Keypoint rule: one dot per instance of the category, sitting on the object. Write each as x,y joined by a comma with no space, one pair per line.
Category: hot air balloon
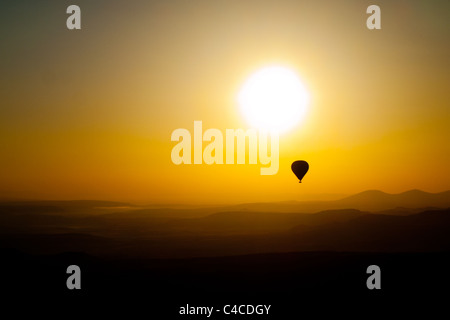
300,168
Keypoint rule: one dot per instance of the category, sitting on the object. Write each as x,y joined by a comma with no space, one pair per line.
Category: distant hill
64,203
404,203
257,222
377,200
371,200
60,207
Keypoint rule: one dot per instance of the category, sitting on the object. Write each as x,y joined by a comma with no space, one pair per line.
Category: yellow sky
89,114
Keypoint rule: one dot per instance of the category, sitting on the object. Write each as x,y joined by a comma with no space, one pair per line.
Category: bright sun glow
273,99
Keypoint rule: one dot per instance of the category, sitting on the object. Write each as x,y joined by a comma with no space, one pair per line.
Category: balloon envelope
300,168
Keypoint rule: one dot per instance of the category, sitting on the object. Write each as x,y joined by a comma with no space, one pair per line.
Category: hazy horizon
303,198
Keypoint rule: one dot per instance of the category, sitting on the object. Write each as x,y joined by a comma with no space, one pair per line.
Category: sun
274,99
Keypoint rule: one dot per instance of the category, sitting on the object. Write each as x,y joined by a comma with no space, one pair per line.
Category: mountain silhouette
371,200
374,200
263,247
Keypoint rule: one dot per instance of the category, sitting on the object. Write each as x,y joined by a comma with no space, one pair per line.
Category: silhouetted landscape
243,249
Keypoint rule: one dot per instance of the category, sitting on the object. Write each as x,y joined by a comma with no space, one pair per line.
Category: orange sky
88,114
